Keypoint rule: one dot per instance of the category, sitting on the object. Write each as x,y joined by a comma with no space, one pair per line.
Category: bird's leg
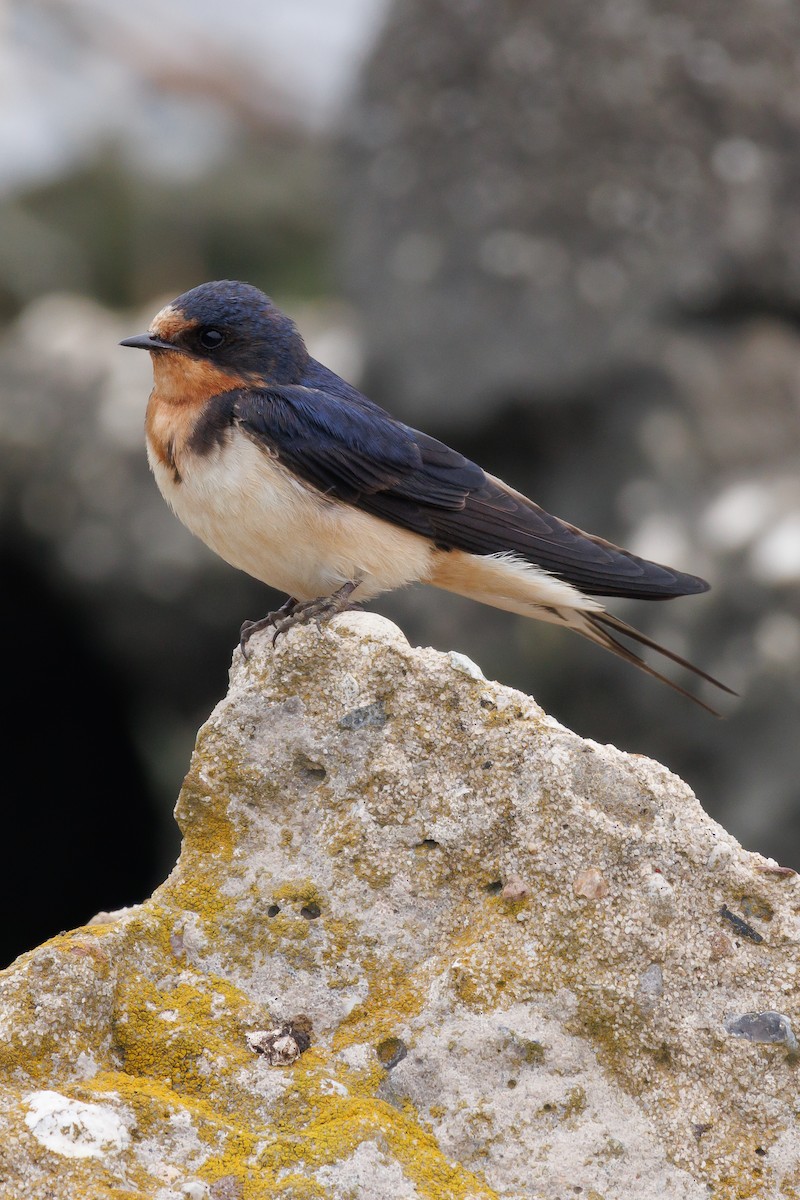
300,612
251,627
319,610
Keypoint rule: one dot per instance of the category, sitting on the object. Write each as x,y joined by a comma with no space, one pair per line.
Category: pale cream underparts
239,499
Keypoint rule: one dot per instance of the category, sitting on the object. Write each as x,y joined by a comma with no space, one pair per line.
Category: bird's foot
298,612
251,627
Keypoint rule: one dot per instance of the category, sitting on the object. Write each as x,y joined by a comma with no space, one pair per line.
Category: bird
292,475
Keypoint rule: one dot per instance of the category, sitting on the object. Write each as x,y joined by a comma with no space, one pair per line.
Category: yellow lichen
326,1128
169,1036
298,891
299,1187
181,1033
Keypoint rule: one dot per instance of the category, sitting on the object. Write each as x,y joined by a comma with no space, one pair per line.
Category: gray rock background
563,239
539,193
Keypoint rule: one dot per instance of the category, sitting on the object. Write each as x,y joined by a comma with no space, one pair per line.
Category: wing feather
349,448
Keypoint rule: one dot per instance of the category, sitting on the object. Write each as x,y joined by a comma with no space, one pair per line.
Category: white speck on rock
73,1128
195,1189
460,662
720,855
85,1066
661,898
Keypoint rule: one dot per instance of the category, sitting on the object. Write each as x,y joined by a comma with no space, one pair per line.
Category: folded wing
350,449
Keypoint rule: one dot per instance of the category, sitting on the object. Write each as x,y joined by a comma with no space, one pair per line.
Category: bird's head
227,328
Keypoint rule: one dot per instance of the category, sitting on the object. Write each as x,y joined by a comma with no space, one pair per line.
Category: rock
530,190
396,898
590,882
572,235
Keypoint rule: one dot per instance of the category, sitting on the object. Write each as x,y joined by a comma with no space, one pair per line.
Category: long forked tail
596,625
505,581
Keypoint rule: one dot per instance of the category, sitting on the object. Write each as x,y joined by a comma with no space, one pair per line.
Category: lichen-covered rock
421,942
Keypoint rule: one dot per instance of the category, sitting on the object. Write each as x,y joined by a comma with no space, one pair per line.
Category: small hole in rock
273,910
391,1051
309,769
427,844
310,911
494,887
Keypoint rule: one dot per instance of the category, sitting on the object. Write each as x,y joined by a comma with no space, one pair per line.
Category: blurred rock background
563,237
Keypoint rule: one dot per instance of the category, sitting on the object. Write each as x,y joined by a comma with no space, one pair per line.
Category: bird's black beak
147,341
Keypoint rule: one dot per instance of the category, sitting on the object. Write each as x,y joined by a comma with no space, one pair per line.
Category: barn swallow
292,475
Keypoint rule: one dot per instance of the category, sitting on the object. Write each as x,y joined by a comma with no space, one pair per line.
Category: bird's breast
184,389
257,515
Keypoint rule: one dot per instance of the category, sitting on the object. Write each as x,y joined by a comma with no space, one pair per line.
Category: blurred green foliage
123,236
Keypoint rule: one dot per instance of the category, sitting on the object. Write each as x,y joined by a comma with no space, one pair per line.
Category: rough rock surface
572,233
480,957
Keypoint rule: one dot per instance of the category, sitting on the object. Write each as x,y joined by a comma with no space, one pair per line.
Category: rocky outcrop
421,941
571,232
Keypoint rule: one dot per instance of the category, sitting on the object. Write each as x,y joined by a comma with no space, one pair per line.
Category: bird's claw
273,618
298,612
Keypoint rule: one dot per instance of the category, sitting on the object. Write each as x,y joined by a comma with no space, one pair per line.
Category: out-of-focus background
563,237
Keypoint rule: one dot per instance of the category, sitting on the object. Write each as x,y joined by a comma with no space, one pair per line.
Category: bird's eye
210,339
